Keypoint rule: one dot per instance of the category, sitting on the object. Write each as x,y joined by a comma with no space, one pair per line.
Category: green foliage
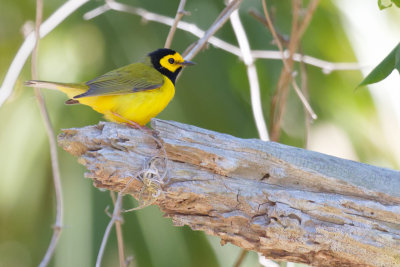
383,4
380,72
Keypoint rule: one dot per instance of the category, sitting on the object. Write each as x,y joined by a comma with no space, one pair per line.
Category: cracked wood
290,204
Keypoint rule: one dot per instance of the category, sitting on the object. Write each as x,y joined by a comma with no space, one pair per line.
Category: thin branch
252,74
242,255
27,47
294,34
274,101
279,98
255,14
304,89
97,11
326,66
286,74
304,100
307,18
297,34
273,32
115,217
179,15
52,141
198,45
221,20
34,72
150,16
120,237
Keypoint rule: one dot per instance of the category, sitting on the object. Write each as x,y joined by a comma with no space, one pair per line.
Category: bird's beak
187,63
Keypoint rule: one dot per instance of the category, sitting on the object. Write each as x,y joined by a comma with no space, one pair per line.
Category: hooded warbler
133,93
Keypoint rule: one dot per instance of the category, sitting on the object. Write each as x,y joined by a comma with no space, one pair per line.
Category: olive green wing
126,80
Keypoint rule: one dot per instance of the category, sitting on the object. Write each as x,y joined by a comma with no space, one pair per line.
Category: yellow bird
132,94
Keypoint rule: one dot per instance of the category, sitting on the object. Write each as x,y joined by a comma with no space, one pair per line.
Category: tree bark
288,203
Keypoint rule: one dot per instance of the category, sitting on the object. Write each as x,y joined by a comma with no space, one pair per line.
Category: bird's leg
136,125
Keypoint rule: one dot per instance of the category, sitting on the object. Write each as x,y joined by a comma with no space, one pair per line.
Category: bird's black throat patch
155,58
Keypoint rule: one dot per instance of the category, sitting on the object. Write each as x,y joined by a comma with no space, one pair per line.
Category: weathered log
290,204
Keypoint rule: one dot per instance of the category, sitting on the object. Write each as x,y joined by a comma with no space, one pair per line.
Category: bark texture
290,204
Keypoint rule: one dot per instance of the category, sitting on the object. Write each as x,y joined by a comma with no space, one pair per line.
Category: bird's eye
171,61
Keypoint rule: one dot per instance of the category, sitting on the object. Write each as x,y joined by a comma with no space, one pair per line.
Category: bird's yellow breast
138,107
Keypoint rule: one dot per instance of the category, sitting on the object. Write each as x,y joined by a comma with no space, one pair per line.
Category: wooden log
287,203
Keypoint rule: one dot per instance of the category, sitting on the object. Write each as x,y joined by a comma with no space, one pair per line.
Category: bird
133,94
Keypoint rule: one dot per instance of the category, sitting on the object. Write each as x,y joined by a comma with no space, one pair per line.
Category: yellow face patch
171,62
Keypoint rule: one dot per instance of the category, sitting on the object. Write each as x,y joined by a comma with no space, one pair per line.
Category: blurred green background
214,94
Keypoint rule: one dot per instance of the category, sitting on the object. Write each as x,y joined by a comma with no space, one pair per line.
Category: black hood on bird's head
155,57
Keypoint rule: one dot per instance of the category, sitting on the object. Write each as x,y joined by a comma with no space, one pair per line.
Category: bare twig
220,20
304,101
34,72
27,47
274,101
286,75
120,237
255,14
252,74
294,43
242,255
326,66
278,102
150,16
307,18
179,14
97,11
52,141
304,89
115,217
272,29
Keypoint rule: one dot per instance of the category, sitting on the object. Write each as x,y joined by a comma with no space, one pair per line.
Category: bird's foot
144,128
136,125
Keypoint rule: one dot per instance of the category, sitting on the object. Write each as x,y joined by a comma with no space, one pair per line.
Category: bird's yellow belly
138,107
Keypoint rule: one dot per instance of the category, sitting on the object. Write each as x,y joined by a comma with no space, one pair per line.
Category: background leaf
396,2
380,72
397,61
384,4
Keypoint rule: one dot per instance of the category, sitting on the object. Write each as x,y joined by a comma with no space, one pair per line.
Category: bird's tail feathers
70,89
48,85
42,84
